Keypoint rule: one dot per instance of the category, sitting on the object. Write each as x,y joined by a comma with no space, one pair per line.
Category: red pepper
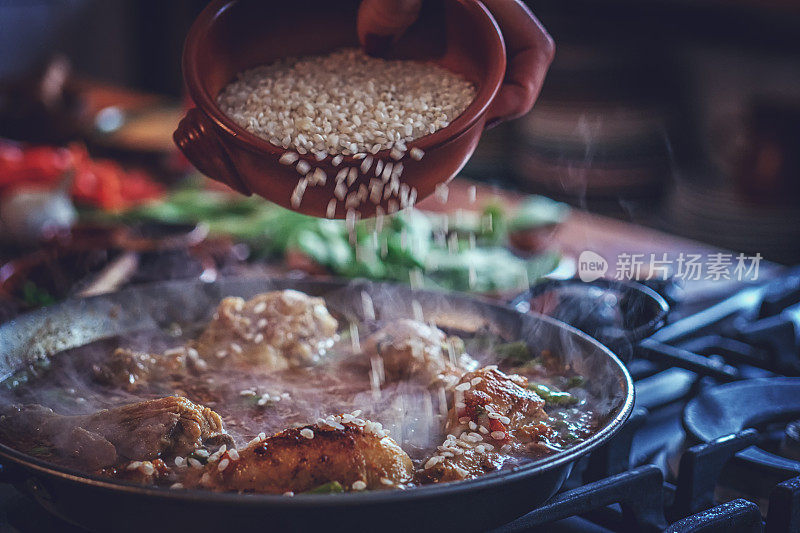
32,166
138,187
496,425
99,183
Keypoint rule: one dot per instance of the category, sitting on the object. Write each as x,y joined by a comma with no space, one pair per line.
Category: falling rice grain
367,306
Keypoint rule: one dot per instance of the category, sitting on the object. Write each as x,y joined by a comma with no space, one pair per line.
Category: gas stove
712,446
714,442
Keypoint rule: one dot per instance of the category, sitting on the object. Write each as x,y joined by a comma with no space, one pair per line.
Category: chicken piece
410,348
36,430
139,431
166,426
275,330
494,415
297,460
131,370
124,368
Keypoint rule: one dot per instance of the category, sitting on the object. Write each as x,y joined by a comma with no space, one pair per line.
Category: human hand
529,48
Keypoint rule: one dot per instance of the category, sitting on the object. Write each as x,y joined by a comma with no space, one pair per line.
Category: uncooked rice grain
345,102
303,167
289,158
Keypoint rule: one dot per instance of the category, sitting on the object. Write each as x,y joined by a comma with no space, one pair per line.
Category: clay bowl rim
207,103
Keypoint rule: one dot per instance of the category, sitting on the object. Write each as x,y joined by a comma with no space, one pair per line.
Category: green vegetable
513,351
494,224
565,430
538,211
332,487
572,382
409,241
41,451
36,296
486,269
552,395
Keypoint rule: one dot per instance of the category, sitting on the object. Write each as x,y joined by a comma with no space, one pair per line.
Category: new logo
591,266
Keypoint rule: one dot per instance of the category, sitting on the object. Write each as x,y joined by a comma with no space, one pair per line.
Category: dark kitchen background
680,115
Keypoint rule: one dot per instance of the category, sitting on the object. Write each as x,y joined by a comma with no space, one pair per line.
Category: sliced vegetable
494,224
518,352
490,269
408,241
536,212
457,344
332,487
552,395
573,382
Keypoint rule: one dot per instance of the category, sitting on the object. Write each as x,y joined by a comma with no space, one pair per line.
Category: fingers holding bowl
530,51
381,22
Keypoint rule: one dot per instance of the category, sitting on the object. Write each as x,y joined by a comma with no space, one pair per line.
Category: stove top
712,446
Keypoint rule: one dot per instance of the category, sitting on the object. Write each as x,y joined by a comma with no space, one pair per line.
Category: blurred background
683,115
678,115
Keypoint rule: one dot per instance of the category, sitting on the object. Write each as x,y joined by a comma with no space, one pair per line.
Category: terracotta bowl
233,35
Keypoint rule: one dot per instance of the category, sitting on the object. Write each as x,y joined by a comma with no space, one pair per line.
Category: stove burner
790,446
759,403
617,313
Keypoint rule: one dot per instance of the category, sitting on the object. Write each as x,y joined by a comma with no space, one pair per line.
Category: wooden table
609,238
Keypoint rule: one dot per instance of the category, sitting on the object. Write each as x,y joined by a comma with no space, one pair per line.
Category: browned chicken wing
275,330
139,431
494,414
296,460
410,348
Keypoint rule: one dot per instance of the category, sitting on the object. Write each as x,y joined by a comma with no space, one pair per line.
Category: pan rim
487,481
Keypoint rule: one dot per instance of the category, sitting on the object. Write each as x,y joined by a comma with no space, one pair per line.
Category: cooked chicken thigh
165,426
275,330
358,455
410,348
493,412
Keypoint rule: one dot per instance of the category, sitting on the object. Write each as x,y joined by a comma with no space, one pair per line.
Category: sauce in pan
276,395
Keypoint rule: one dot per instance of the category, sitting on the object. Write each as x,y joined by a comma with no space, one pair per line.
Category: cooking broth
253,400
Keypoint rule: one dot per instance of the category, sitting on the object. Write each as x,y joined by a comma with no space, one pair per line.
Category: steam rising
349,378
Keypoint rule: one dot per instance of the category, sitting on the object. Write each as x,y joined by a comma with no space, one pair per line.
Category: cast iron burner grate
639,499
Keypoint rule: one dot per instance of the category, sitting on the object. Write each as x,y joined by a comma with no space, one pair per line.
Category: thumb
381,22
